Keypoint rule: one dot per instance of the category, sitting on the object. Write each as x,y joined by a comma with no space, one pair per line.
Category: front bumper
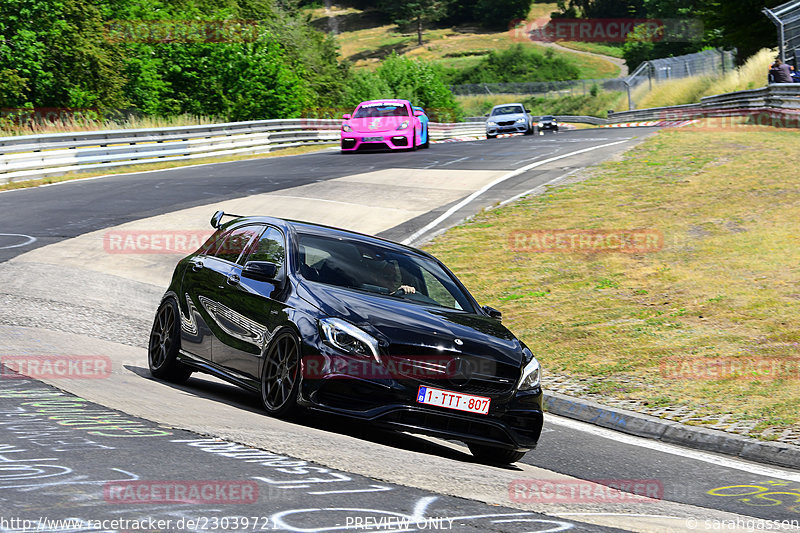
511,128
393,140
514,420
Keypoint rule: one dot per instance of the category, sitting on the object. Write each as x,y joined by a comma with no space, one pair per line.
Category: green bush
518,64
399,77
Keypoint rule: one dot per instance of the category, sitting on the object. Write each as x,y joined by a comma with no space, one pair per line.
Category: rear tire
280,377
165,342
492,454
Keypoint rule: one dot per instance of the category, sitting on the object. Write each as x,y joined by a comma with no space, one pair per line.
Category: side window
269,248
231,247
438,292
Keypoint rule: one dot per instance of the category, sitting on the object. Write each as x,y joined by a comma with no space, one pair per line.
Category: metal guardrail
37,156
781,98
581,119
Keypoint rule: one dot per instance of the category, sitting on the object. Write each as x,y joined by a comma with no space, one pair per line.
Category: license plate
373,139
453,400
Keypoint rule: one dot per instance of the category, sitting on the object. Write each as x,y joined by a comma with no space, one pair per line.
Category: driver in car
387,278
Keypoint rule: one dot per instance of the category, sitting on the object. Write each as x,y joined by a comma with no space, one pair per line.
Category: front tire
165,339
491,136
494,455
427,143
280,377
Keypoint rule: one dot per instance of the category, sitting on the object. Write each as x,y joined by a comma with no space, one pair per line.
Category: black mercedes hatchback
313,317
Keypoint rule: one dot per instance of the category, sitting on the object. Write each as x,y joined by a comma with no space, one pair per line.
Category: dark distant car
326,319
548,122
508,118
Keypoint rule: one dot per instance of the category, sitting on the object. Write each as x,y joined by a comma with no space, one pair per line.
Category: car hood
399,324
504,118
375,124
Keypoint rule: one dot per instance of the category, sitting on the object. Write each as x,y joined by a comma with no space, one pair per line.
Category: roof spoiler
216,220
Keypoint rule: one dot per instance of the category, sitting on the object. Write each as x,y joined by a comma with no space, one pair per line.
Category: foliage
400,77
727,24
518,64
247,59
416,12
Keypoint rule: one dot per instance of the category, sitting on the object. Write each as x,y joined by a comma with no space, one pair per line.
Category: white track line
727,462
447,214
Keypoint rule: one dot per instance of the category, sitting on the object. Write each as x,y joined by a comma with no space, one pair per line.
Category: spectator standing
780,73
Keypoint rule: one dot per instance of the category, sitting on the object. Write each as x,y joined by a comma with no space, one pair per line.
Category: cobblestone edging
722,433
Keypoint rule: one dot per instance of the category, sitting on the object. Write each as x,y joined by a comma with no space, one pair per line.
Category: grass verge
724,289
158,166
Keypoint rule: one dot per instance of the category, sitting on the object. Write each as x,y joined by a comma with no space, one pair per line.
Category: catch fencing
786,18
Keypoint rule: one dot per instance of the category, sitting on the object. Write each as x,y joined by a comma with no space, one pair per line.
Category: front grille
506,123
486,376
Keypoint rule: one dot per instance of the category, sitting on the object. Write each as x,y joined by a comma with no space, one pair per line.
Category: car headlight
541,124
348,338
490,123
403,126
346,127
531,374
520,120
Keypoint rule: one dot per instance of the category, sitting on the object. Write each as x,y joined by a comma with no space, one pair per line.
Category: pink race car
382,124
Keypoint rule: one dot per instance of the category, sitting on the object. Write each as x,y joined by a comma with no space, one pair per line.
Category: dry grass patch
726,284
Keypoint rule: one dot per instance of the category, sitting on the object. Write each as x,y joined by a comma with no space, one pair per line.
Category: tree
417,12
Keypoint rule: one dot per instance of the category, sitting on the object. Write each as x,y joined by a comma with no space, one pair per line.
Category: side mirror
216,220
347,116
486,115
418,113
492,312
528,111
260,270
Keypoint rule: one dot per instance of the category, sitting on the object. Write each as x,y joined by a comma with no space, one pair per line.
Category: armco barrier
37,156
781,98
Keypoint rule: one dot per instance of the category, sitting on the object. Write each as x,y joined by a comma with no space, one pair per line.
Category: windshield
375,269
548,117
381,110
507,110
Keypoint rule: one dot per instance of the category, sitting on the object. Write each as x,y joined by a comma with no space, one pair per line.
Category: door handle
233,279
197,265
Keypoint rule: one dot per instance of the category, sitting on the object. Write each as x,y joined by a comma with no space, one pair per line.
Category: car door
254,308
203,282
